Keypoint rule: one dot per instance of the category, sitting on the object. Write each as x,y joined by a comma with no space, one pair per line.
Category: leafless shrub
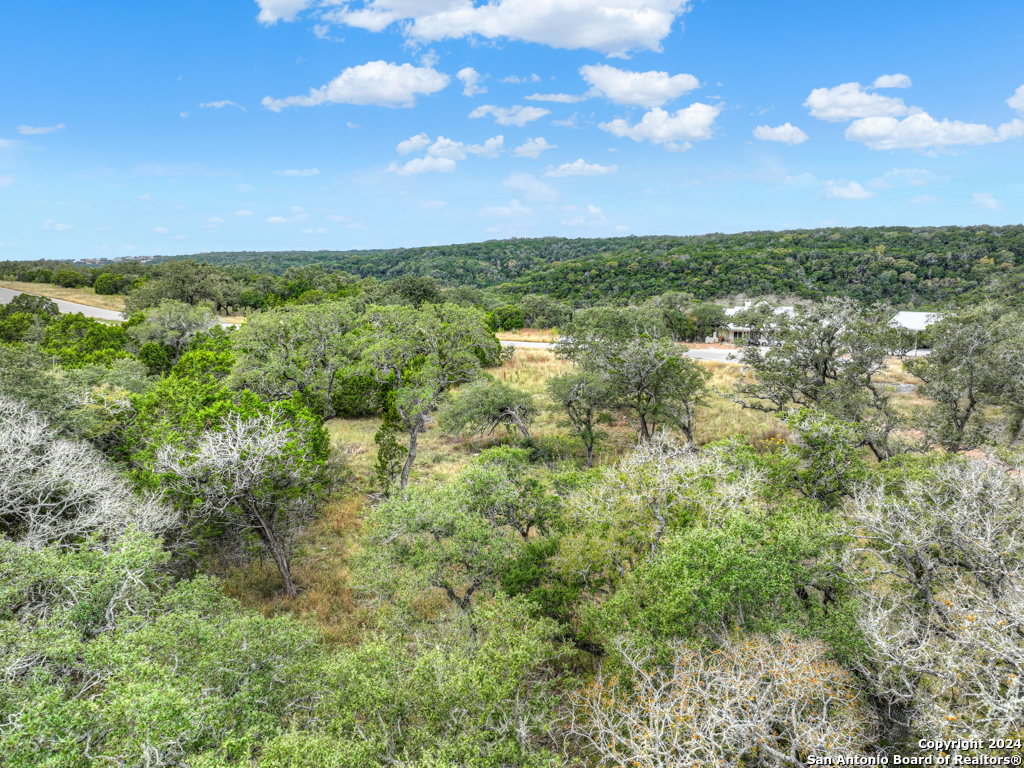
751,701
940,569
56,490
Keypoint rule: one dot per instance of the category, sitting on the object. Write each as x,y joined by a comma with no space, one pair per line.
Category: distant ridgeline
919,267
926,265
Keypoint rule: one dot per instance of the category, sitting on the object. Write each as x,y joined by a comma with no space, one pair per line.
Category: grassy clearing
547,335
322,562
86,296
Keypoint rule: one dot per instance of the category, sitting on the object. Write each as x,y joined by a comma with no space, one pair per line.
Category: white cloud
299,173
800,180
787,133
6,181
28,130
337,217
694,123
1017,100
273,11
580,168
489,149
243,213
161,230
985,200
244,188
298,217
849,191
922,131
358,225
518,115
849,101
320,231
213,221
413,144
597,217
569,122
147,197
432,205
533,147
377,82
641,89
180,237
470,77
219,104
613,27
923,199
513,209
448,149
51,224
892,81
897,177
423,165
350,124
183,114
560,98
531,187
179,207
520,80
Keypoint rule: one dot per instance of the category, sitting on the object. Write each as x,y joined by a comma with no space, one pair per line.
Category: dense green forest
909,267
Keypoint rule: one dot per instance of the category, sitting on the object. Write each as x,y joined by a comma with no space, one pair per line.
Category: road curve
68,307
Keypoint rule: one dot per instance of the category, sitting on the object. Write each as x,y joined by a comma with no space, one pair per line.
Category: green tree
172,325
79,340
483,406
582,399
68,278
420,354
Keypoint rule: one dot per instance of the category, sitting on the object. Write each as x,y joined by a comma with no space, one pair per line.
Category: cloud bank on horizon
363,123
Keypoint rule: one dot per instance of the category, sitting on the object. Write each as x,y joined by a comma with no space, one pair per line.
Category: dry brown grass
322,562
547,335
86,296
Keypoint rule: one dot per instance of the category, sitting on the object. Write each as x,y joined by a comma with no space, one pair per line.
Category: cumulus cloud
850,100
531,187
28,130
413,144
273,11
580,168
517,115
850,191
892,81
470,77
56,227
596,217
533,147
985,200
613,27
640,89
377,82
513,209
786,133
219,104
560,98
800,180
214,221
534,78
243,213
1017,100
922,131
489,149
423,165
694,123
298,217
161,230
299,173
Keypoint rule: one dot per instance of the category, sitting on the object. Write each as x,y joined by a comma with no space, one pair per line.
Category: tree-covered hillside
912,266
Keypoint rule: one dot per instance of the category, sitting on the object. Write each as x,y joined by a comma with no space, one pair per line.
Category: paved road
68,307
718,355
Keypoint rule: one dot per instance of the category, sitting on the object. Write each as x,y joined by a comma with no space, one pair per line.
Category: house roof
915,321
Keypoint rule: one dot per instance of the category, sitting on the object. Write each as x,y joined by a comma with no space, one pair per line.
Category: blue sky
161,128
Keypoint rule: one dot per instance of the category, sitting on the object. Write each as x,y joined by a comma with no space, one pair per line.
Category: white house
733,332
